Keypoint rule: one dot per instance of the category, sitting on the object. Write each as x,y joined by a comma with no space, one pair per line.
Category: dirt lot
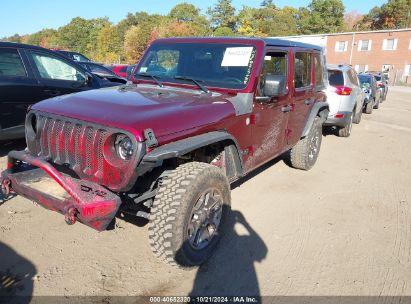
343,228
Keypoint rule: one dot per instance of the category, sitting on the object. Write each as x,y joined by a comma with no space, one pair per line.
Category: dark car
371,90
382,83
29,74
73,55
199,114
102,72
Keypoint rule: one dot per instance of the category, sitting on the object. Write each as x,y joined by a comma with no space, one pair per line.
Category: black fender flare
186,145
321,109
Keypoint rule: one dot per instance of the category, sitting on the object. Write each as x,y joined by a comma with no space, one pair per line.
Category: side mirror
89,79
274,85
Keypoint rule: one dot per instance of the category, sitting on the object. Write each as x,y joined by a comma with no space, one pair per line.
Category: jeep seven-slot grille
73,143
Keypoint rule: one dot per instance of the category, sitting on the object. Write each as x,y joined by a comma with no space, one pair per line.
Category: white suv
345,97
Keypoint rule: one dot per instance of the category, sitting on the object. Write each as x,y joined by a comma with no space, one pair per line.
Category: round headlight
124,147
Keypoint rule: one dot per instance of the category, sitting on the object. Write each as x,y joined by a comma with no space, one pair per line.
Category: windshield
211,64
365,79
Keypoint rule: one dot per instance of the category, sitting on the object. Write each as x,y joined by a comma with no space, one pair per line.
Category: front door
270,116
57,76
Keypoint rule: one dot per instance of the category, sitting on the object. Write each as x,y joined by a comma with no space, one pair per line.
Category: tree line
125,41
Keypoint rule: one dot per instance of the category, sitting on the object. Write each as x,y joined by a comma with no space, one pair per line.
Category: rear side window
11,64
335,78
302,70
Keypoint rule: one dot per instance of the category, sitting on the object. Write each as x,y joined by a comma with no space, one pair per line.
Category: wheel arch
320,109
234,164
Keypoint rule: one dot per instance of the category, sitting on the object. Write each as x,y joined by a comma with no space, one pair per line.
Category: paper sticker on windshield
237,56
143,69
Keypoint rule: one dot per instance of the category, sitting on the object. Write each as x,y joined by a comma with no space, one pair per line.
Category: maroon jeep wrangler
198,114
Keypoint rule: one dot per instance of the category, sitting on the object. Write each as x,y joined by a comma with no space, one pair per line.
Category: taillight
341,90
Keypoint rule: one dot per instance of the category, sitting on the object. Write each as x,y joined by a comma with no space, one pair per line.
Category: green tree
80,35
223,15
394,14
109,45
136,41
15,38
46,38
184,12
223,31
322,16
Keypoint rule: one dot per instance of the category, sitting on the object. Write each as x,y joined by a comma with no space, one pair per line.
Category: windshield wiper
155,78
197,82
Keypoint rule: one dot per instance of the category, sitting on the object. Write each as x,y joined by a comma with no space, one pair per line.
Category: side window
318,71
11,64
275,63
302,70
50,67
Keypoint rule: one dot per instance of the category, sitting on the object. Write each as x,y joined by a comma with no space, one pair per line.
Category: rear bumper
335,120
38,180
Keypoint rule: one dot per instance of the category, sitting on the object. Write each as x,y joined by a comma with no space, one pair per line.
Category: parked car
130,69
29,74
371,91
102,72
345,97
382,83
119,69
166,147
73,55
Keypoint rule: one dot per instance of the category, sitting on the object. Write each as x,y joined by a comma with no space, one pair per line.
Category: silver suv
345,97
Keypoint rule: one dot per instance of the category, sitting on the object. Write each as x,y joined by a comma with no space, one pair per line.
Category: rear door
303,92
18,86
57,75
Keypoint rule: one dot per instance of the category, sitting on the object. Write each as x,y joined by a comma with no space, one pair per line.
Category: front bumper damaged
78,200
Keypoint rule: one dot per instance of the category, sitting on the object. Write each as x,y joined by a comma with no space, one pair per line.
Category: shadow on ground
231,270
16,276
7,146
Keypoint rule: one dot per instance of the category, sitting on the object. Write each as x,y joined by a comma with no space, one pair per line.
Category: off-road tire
171,212
357,117
369,107
346,131
299,156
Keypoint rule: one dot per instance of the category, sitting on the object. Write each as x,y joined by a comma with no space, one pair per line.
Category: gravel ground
343,228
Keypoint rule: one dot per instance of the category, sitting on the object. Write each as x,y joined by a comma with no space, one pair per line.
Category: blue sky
29,16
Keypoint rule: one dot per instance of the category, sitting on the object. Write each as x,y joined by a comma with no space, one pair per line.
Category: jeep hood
136,108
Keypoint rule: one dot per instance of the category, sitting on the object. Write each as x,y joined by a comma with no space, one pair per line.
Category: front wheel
305,153
189,213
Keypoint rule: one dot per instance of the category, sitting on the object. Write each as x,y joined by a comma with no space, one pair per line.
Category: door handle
52,92
286,108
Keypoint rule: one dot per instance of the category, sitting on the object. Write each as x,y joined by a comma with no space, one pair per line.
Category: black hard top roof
267,41
20,45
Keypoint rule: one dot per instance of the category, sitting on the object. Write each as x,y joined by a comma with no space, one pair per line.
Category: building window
361,68
407,70
389,44
386,68
341,46
364,45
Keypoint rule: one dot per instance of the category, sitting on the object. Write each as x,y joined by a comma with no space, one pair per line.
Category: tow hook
70,216
5,187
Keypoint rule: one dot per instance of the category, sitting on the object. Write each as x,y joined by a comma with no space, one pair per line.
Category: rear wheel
305,153
346,131
369,107
189,213
377,105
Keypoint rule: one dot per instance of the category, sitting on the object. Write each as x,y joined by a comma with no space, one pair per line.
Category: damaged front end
71,167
